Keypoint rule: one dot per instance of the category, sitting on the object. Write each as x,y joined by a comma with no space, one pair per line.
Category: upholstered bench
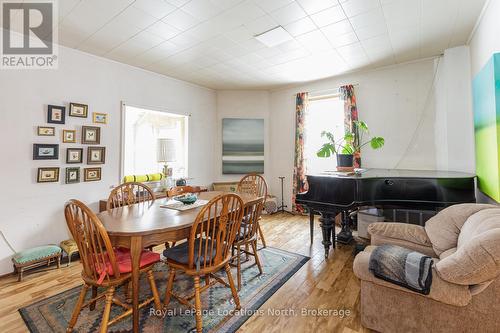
36,257
70,247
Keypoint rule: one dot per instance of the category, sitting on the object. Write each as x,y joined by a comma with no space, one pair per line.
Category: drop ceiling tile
371,31
356,7
300,27
328,16
252,45
109,37
202,9
314,6
261,25
155,8
65,7
269,6
180,20
244,12
381,42
177,3
369,18
136,17
314,41
163,30
288,14
352,51
336,29
342,40
239,34
184,40
158,52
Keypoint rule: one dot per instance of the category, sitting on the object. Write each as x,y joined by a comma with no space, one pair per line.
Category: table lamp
166,153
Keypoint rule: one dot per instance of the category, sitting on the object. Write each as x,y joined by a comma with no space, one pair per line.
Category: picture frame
69,136
56,114
48,175
72,175
74,155
91,135
44,151
96,155
46,131
91,174
100,118
78,110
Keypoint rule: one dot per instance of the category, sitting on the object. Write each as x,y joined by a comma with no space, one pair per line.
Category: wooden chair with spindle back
178,190
254,184
248,236
103,265
129,194
207,250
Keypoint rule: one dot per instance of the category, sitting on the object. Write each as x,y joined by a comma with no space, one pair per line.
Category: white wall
241,104
32,214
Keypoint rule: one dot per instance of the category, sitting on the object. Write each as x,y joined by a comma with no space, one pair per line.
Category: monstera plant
349,144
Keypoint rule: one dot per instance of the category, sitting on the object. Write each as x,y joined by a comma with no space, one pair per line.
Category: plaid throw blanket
403,267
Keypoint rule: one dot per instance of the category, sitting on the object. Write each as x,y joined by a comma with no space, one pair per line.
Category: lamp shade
165,150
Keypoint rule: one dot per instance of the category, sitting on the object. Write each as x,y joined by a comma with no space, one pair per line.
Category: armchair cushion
443,229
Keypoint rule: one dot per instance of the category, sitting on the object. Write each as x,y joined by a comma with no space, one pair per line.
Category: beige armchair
465,293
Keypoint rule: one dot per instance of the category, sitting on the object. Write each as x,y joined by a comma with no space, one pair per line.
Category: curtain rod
325,91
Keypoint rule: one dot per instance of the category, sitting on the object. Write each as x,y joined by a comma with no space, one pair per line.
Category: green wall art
486,94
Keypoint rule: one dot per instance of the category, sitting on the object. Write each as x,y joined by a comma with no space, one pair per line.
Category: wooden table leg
135,253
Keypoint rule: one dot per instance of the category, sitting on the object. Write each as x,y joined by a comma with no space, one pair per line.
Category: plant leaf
326,150
349,137
329,136
348,149
377,142
361,125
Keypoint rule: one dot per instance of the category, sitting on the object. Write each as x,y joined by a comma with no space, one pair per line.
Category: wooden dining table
146,224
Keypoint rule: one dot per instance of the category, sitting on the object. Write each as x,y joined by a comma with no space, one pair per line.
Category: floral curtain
299,168
351,115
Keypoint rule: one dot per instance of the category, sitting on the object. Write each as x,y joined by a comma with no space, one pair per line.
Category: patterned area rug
219,315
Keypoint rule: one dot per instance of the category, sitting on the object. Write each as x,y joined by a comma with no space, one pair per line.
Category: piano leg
327,223
311,224
345,235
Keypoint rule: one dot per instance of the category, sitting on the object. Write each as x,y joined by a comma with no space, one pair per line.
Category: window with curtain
323,114
141,130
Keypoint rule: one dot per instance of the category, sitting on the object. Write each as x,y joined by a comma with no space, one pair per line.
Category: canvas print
45,151
487,127
242,146
48,175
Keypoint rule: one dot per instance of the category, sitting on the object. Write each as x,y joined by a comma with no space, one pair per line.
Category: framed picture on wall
91,135
46,131
56,114
72,175
78,110
74,155
42,151
69,136
100,118
48,175
91,174
96,155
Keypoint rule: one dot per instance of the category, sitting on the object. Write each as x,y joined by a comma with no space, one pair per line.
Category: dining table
142,225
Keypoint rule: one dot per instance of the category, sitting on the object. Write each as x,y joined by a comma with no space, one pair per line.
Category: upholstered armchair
464,241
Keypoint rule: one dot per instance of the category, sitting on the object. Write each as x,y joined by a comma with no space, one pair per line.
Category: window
141,130
323,114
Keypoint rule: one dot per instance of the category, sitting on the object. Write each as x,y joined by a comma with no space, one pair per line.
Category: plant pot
345,162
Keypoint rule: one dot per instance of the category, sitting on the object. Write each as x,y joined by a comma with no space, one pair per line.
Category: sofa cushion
477,259
443,229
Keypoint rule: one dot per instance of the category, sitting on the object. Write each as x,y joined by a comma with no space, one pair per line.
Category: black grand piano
331,194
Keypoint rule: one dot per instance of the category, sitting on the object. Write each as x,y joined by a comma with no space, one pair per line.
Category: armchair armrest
410,236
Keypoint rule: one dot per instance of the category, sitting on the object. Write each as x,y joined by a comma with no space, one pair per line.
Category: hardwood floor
319,284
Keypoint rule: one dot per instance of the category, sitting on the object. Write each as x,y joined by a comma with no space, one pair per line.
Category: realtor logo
29,35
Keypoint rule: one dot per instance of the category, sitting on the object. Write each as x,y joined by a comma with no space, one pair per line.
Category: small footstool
70,247
36,257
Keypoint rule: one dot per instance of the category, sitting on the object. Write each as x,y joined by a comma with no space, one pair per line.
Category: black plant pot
344,160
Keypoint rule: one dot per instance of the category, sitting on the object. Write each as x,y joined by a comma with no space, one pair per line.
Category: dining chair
207,251
178,190
129,194
248,236
254,184
104,266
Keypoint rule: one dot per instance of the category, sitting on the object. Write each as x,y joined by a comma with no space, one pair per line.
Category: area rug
52,314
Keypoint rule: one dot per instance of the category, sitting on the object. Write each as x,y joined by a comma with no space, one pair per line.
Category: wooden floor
319,284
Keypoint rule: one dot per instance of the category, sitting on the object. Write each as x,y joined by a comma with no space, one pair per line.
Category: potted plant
348,145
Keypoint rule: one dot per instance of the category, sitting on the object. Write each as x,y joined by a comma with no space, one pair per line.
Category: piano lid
397,173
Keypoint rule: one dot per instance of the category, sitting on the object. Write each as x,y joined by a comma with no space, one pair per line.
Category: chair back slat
130,193
214,231
178,190
251,215
253,184
94,245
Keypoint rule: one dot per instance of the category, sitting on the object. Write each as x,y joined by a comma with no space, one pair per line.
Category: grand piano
331,194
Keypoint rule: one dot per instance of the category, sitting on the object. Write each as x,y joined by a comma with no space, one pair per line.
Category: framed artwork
72,175
74,155
100,118
69,136
56,114
46,131
91,135
48,175
78,110
91,174
242,146
42,151
96,155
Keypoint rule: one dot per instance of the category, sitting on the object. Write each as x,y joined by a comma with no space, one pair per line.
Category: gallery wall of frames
81,141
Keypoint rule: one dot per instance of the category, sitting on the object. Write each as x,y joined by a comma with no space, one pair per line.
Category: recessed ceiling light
274,37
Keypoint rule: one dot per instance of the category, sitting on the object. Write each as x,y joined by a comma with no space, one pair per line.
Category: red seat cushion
124,262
